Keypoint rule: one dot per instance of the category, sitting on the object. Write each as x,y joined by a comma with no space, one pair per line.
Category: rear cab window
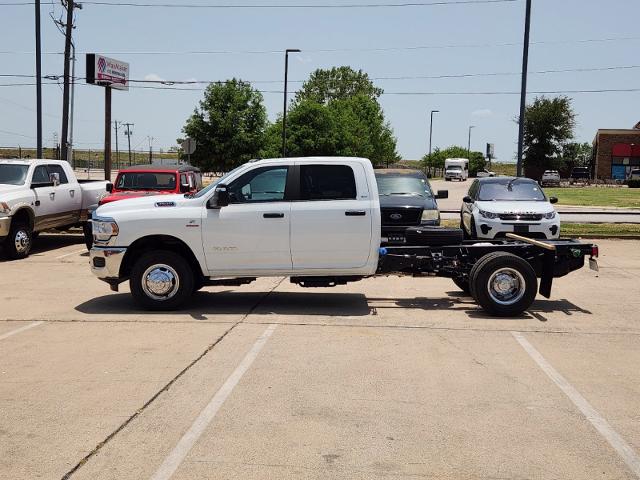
327,182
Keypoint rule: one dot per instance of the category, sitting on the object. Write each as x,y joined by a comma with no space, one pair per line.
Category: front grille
401,216
528,217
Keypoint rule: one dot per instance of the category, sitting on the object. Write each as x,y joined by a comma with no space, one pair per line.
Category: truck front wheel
504,284
161,280
18,243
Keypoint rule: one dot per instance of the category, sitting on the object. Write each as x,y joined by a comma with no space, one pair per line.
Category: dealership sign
107,72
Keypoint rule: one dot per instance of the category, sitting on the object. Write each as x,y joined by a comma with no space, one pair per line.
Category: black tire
475,268
171,268
87,231
462,283
18,243
519,291
474,231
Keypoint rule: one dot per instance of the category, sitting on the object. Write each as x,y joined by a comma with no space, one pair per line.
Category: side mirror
442,194
184,188
220,197
553,199
109,187
467,199
54,178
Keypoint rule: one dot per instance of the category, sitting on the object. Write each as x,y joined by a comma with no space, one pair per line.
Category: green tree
228,125
548,126
338,83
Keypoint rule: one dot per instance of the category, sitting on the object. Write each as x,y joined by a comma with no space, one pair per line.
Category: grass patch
585,229
508,169
596,196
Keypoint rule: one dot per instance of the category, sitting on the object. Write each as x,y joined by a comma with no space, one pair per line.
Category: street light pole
430,136
469,142
38,84
284,114
523,88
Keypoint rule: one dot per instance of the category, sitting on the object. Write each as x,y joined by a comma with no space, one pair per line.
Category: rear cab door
333,217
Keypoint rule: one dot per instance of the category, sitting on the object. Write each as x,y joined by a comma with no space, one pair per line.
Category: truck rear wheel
504,284
462,283
18,243
161,280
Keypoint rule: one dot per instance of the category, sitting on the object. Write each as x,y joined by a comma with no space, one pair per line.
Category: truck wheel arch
158,242
26,215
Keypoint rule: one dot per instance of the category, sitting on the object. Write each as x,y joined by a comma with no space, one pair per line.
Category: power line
338,50
400,77
281,6
17,134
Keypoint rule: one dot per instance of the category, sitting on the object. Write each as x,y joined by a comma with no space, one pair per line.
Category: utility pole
115,127
523,88
430,135
469,143
128,134
38,85
65,92
73,88
284,113
150,150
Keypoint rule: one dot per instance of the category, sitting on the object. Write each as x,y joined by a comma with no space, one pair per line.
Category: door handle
355,213
273,215
72,192
52,195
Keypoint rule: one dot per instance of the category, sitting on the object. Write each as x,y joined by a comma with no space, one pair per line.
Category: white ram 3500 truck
315,220
37,195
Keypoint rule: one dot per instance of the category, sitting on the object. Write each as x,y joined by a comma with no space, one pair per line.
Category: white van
456,168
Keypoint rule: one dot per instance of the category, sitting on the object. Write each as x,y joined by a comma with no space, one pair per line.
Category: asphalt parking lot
386,378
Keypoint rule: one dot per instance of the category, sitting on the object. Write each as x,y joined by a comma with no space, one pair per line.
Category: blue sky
462,39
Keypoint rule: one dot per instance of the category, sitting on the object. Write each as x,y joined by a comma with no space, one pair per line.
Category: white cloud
484,112
153,77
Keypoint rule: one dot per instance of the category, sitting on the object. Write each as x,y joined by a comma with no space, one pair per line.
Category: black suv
406,200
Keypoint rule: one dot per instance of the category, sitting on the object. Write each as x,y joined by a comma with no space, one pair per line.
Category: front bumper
105,263
5,226
496,228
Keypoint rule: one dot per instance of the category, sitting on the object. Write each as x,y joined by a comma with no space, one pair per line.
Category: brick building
615,152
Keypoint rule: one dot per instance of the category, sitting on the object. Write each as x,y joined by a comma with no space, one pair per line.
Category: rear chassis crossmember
550,259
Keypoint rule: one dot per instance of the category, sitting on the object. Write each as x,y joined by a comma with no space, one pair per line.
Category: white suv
499,205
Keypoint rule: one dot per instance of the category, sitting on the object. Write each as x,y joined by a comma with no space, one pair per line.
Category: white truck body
39,195
456,169
258,237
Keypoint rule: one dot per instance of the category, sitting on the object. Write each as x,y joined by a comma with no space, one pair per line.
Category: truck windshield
454,168
402,185
13,174
514,190
146,181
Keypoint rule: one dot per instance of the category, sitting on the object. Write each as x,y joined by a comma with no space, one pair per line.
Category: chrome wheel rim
160,282
506,286
21,241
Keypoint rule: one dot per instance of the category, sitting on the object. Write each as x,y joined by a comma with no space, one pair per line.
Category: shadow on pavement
306,303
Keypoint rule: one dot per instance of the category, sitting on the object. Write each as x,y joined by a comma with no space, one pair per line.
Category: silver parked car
550,178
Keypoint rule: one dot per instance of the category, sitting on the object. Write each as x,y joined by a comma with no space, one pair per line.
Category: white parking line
618,443
188,440
70,254
21,329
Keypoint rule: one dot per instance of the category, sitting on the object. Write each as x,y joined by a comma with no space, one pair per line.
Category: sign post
490,153
189,146
111,74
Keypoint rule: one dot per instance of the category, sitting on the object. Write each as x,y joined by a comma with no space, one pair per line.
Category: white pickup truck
315,220
37,195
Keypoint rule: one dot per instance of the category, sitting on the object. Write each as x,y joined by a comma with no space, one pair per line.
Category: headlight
430,215
5,208
550,215
490,215
104,229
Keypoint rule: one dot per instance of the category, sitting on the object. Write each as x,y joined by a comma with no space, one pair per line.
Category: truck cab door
44,198
67,198
331,221
251,234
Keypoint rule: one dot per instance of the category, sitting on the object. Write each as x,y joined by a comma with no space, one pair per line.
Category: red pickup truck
143,180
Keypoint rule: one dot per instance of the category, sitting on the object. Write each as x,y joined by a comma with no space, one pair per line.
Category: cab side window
266,184
40,175
327,182
60,171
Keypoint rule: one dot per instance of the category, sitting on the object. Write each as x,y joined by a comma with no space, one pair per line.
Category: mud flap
546,277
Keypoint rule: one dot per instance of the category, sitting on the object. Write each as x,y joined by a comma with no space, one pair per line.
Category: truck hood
514,207
146,202
114,197
6,188
408,201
